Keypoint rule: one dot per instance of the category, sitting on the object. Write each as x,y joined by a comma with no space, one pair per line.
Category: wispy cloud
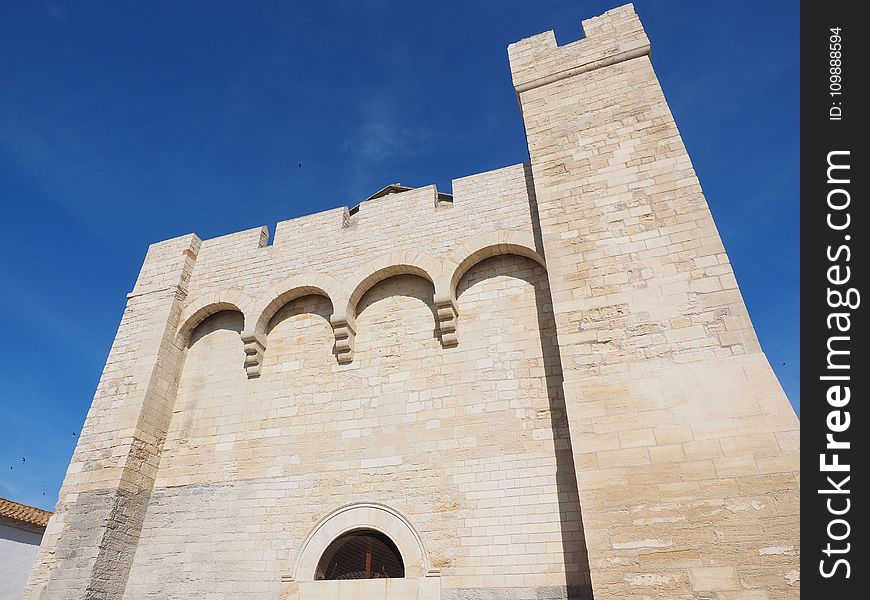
55,11
389,132
379,135
378,138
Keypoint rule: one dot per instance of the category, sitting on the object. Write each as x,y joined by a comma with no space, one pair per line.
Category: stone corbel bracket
345,332
445,307
254,346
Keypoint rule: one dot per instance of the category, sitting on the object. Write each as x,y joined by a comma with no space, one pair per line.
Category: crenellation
162,260
397,205
256,237
296,234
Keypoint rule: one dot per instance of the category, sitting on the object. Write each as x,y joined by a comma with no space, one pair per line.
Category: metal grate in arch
362,554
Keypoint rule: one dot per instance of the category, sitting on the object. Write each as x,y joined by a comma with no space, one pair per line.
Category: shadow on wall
573,537
210,338
18,547
574,550
408,286
304,305
224,320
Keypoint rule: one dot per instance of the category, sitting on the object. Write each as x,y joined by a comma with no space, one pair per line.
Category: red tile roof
23,513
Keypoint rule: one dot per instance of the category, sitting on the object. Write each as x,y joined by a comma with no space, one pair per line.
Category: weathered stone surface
462,375
672,406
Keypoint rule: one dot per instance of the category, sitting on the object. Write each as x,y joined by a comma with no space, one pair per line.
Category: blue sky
124,122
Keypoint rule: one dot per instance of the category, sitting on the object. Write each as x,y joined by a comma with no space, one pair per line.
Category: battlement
501,196
613,37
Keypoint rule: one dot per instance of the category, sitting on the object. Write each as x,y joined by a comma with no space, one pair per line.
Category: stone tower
545,385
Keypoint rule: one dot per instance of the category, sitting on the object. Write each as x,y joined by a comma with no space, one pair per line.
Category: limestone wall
686,448
446,405
470,443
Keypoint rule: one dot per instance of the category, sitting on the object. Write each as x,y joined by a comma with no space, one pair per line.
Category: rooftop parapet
613,37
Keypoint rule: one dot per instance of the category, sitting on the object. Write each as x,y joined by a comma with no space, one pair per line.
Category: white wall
17,550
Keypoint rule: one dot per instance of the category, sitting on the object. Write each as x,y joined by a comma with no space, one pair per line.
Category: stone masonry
546,385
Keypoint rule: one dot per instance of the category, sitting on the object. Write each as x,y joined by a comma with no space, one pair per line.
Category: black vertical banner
835,368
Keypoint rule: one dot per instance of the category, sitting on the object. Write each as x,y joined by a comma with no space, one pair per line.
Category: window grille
362,554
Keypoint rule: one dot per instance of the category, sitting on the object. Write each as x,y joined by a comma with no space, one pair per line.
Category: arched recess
357,516
291,288
200,307
483,246
390,265
464,256
507,291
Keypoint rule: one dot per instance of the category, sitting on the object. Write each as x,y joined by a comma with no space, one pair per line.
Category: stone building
543,385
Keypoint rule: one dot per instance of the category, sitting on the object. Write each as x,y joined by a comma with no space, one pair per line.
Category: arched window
361,554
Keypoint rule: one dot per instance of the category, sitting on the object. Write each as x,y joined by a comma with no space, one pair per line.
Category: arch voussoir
271,301
202,306
358,516
403,262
